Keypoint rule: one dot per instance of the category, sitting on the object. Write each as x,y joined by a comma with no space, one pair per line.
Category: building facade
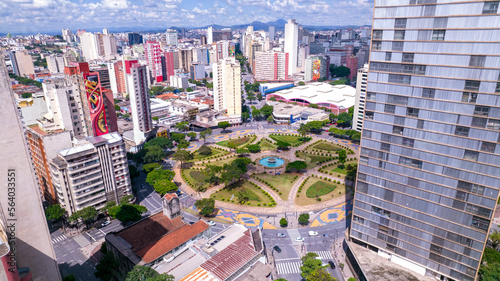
428,175
352,64
55,64
22,63
359,106
91,173
316,68
227,86
172,37
137,87
134,39
271,66
291,44
152,51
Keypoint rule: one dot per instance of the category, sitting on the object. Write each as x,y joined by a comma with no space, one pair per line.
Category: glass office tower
429,169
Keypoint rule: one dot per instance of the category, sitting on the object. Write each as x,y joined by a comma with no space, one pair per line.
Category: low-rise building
284,113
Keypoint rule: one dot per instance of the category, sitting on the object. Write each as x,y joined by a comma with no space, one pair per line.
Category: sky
33,16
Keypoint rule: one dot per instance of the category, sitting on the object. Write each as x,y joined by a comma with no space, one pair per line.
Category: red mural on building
96,104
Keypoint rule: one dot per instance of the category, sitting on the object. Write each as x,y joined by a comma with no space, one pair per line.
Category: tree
332,117
165,186
267,110
189,89
177,137
156,90
105,267
296,166
26,95
320,274
223,125
54,212
154,153
270,119
150,167
495,239
301,83
256,113
309,255
340,71
146,273
86,214
303,130
344,117
192,135
253,148
242,195
70,277
205,150
259,96
283,222
232,145
304,219
310,264
342,156
182,155
162,142
133,171
282,144
205,134
182,126
108,206
159,174
213,174
183,144
156,118
206,206
245,116
315,126
126,199
127,212
351,170
351,279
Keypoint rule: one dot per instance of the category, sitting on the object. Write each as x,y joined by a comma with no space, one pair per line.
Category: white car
105,223
211,223
299,239
312,233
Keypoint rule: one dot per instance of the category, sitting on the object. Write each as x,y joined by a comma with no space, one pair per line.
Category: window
376,45
480,223
408,57
428,93
377,34
440,22
390,108
420,124
397,130
493,124
438,35
424,35
397,46
497,88
471,155
397,99
469,97
400,23
490,7
369,115
413,112
398,120
400,79
477,61
481,110
408,142
429,11
479,122
388,56
399,35
462,131
370,96
488,147
385,146
472,85
359,220
410,162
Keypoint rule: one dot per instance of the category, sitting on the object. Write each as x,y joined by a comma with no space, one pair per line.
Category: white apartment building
359,106
55,64
227,86
137,89
172,37
291,44
92,173
98,46
178,81
67,35
64,105
271,66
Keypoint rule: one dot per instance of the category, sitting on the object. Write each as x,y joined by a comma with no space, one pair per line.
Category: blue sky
32,16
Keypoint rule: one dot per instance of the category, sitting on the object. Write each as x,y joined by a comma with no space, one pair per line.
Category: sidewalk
340,257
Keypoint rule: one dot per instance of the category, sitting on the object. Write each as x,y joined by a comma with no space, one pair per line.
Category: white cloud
115,4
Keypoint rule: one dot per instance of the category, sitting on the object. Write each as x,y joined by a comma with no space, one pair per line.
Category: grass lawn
315,186
237,141
267,145
198,157
220,162
326,146
256,197
290,139
194,177
312,160
284,182
338,171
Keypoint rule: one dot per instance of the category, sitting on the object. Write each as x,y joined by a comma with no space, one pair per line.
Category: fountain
272,162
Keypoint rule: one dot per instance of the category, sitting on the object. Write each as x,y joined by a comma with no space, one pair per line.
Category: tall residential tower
227,86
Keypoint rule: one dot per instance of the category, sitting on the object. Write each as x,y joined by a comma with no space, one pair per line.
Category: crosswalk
324,255
288,267
59,239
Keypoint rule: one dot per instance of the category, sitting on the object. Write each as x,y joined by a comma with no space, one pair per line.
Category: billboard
96,104
316,70
231,50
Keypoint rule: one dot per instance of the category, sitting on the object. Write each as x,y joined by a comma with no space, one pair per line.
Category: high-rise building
428,175
167,65
272,32
134,38
91,173
185,59
152,51
67,35
352,64
172,37
271,66
98,46
316,67
359,106
291,44
55,64
137,89
214,35
30,245
227,86
22,63
43,147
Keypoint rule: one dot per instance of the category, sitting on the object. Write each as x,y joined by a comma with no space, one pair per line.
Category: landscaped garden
215,152
237,142
281,184
338,170
293,139
244,193
316,189
326,146
266,144
313,160
195,178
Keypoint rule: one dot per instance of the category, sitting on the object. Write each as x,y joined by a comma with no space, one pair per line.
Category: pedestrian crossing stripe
324,255
288,268
59,239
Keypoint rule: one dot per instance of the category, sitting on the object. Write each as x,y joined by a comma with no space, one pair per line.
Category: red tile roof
170,241
170,196
232,258
168,96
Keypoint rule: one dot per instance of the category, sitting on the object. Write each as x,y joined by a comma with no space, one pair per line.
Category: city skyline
34,16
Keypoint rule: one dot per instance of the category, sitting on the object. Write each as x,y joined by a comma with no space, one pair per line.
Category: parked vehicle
277,249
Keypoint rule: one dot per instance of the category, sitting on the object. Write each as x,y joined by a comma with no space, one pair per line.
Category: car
281,235
105,223
277,249
312,233
211,223
191,222
332,265
299,239
325,235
